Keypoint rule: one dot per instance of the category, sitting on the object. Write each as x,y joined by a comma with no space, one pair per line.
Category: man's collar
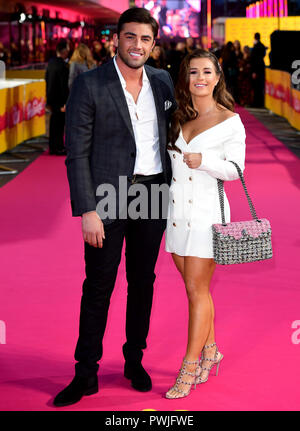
123,82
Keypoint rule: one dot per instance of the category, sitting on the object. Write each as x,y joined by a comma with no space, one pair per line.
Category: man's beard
127,62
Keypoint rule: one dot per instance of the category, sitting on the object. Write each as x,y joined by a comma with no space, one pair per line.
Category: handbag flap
252,228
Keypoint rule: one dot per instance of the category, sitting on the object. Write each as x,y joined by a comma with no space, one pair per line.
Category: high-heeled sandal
179,380
215,361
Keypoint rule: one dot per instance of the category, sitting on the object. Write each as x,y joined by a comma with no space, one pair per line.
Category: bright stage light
22,17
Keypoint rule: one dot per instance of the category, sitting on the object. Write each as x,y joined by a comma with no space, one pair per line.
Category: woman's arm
234,149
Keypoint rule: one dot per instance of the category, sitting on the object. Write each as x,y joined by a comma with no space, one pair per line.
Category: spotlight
22,17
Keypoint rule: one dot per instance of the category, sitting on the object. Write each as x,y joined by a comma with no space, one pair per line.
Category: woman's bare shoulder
225,113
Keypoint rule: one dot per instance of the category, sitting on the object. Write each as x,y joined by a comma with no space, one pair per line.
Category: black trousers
56,131
143,238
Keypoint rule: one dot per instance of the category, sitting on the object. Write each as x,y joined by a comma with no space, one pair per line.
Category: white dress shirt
145,128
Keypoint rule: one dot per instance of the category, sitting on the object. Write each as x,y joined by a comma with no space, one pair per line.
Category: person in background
198,44
57,91
230,68
238,50
173,60
14,55
99,52
3,53
245,90
81,61
216,49
157,58
190,45
110,51
258,53
181,47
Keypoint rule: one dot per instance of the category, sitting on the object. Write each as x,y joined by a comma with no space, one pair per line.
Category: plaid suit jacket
99,135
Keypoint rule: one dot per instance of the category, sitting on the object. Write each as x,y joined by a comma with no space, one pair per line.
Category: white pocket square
168,104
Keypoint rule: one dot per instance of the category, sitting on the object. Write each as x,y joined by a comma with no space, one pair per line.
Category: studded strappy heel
215,361
179,381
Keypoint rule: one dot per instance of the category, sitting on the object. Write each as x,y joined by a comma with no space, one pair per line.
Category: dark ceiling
85,7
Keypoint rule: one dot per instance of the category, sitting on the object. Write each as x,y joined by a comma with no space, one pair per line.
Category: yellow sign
243,29
22,112
280,98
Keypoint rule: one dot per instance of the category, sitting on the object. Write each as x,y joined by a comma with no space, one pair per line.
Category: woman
205,134
156,58
110,51
245,79
238,49
81,61
230,68
98,52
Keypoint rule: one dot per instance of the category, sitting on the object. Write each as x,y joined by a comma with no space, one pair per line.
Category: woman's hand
193,160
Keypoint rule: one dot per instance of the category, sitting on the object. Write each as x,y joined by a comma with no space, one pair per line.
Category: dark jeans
143,238
56,131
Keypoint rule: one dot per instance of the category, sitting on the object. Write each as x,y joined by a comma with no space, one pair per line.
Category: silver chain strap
221,195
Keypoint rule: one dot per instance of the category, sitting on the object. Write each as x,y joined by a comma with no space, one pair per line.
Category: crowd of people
243,68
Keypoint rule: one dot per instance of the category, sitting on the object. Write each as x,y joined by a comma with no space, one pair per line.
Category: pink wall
117,5
66,11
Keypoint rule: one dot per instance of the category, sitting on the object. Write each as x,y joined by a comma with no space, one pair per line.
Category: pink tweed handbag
242,241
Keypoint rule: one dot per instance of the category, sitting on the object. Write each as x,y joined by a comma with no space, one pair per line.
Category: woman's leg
179,263
197,274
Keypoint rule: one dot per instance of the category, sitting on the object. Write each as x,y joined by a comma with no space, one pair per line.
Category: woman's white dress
193,196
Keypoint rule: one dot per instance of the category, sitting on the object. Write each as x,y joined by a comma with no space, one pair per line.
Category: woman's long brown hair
185,110
82,54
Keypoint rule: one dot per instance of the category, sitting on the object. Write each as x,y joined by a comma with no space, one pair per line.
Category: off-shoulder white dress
194,201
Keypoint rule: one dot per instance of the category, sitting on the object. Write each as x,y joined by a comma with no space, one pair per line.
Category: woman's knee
197,290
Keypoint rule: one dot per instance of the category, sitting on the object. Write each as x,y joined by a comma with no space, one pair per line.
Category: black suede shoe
79,387
140,379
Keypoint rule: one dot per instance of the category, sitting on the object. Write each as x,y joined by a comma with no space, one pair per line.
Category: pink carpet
42,270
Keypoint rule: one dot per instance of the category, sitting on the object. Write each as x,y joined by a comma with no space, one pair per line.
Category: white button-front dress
194,201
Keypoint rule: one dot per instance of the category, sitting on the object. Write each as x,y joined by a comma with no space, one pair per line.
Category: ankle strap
190,363
207,346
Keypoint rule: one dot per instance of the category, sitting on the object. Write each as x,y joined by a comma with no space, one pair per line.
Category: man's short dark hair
140,15
62,44
257,36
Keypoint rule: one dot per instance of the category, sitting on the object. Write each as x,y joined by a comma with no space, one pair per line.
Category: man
258,53
116,127
57,75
